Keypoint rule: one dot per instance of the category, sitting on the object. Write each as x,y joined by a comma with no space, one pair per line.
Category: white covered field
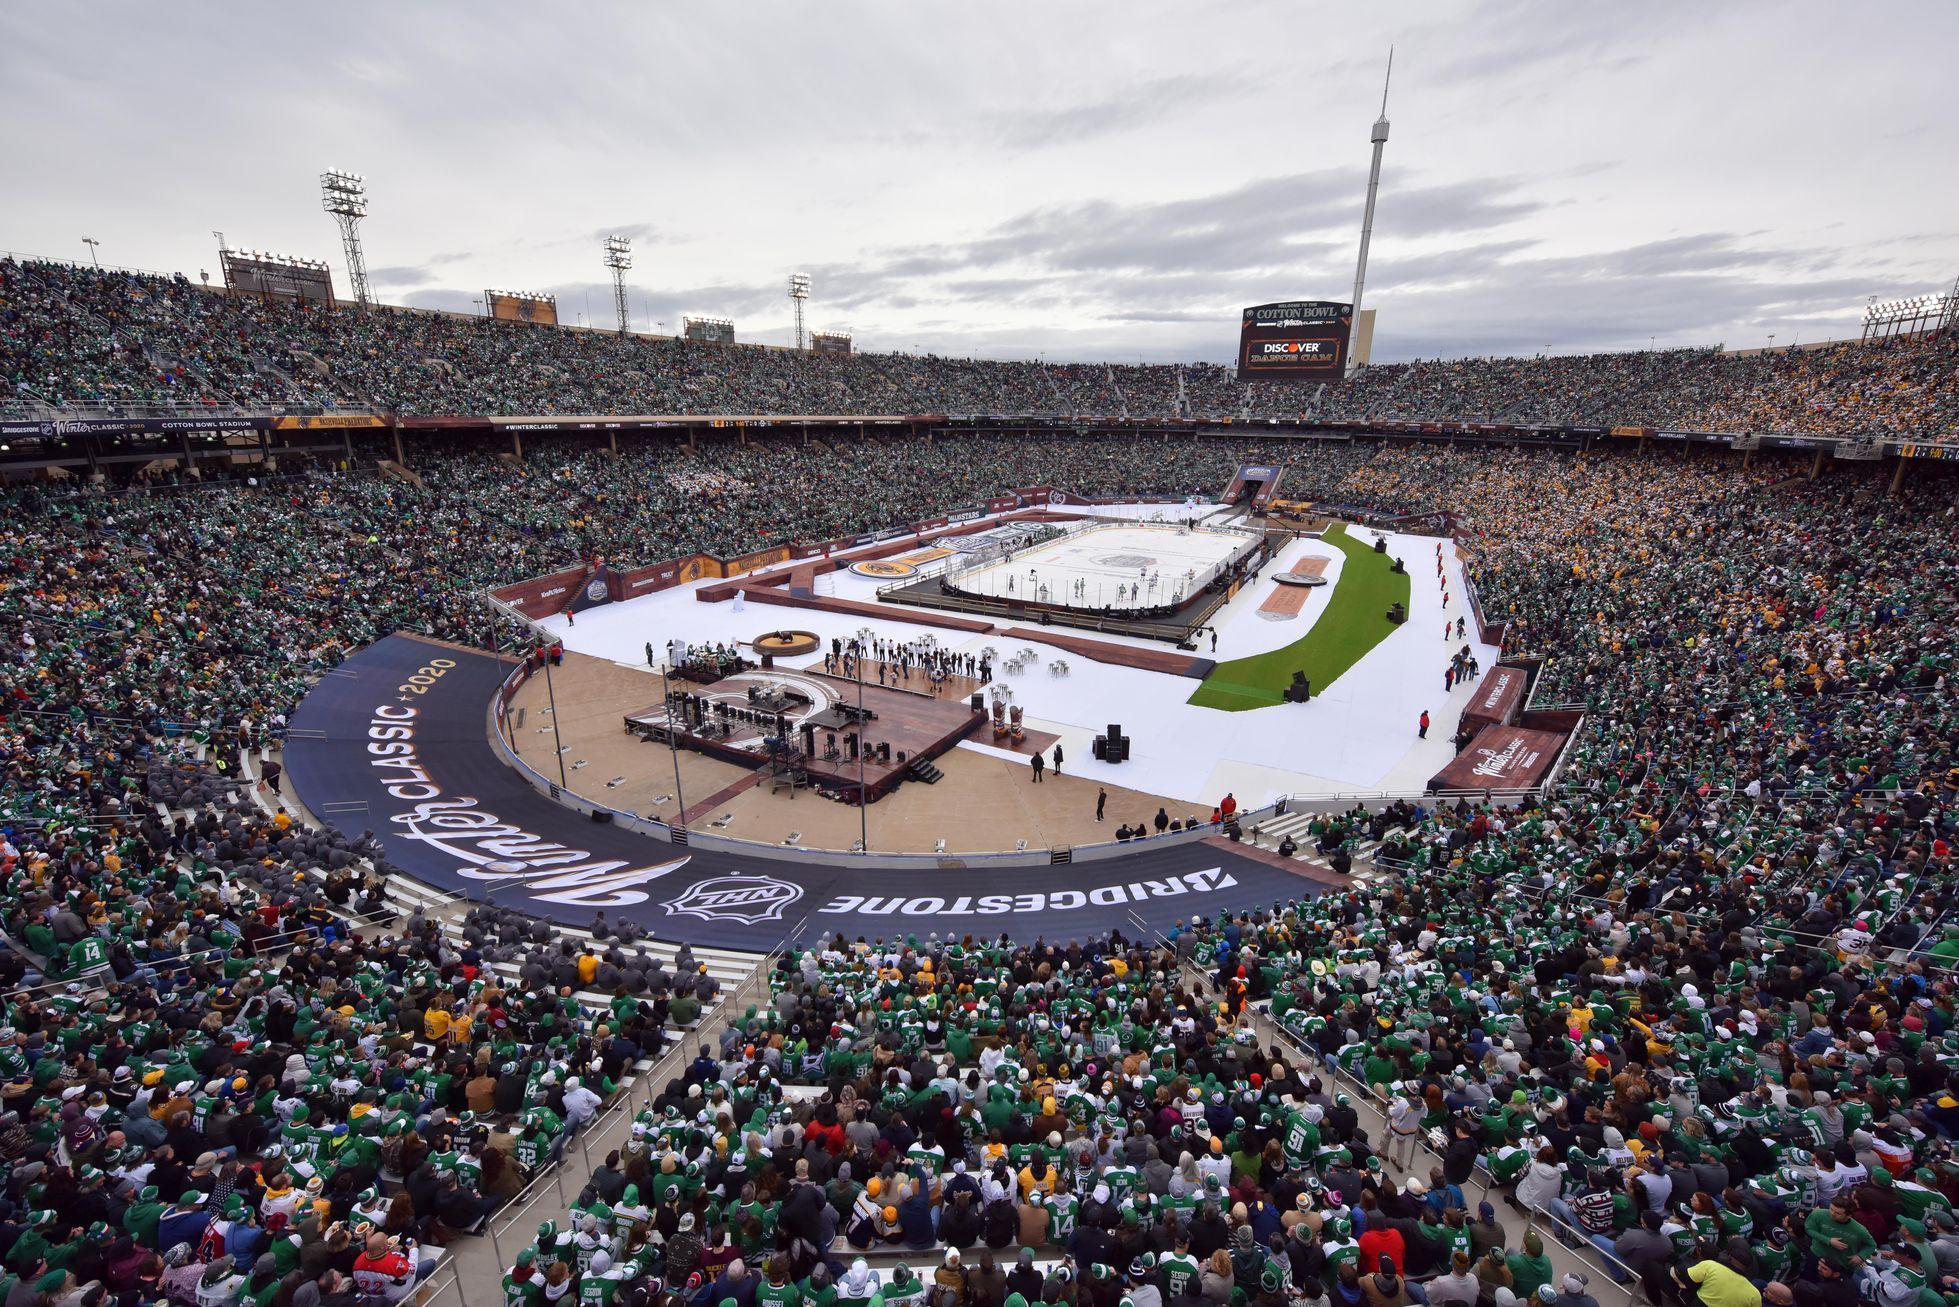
1114,567
1357,736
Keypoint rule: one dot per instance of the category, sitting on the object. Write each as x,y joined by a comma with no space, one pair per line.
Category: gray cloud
1133,109
638,232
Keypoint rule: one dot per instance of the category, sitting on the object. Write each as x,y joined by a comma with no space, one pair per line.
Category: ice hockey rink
1113,566
1357,737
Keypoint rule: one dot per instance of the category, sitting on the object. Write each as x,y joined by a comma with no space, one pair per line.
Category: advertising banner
541,596
749,562
1506,758
25,428
328,422
1499,697
399,734
646,580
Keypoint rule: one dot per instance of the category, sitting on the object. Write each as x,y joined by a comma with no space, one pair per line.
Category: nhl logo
747,899
596,591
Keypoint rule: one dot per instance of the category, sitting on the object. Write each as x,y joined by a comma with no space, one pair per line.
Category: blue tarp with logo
396,741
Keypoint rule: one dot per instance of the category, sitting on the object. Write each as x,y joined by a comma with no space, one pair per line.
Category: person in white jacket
1543,1182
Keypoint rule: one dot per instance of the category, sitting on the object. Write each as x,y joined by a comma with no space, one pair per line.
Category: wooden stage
818,715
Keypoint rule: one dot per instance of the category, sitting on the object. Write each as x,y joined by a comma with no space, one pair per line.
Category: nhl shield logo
747,899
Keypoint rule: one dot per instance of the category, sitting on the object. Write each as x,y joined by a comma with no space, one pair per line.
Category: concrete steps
1269,833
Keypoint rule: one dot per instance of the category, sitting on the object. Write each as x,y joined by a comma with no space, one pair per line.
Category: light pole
557,740
91,242
1771,340
799,296
344,195
673,746
619,258
863,819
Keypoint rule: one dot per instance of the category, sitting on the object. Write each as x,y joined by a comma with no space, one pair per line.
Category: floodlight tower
619,257
1380,138
799,295
344,195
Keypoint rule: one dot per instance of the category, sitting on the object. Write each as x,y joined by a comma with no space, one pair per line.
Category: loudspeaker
601,816
1100,748
978,702
1115,730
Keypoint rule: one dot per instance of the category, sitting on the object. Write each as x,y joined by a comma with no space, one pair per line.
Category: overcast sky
1077,180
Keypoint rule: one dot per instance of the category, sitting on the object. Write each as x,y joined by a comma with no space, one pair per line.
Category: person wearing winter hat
1530,1269
1571,1292
1025,1278
858,1285
1457,1286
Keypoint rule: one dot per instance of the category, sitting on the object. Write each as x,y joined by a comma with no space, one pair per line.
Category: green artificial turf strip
1354,622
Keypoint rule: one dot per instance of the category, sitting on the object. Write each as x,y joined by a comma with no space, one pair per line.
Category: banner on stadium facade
444,423
760,558
699,567
930,524
542,596
399,734
588,424
646,580
23,429
965,515
327,422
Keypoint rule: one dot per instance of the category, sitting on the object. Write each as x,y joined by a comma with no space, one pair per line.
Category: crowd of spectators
1697,1002
71,335
1712,1104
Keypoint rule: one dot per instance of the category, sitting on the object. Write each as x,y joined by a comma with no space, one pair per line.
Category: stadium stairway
1268,834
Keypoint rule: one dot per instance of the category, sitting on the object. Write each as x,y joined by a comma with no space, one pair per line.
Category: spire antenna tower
1380,139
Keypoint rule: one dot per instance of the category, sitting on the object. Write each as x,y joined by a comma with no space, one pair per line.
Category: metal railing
639,1092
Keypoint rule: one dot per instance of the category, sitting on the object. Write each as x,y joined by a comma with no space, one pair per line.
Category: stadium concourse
1691,1010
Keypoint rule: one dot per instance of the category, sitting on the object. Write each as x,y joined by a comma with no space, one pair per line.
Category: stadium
500,805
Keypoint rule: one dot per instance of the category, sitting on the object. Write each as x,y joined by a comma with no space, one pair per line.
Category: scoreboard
1300,340
521,306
